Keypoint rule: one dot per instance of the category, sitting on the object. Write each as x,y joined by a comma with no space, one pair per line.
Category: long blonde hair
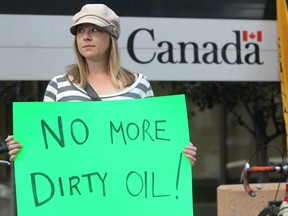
120,76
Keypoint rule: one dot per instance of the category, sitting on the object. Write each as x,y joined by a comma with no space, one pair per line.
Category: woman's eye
80,30
94,30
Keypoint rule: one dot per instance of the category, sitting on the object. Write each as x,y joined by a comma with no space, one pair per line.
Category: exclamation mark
178,173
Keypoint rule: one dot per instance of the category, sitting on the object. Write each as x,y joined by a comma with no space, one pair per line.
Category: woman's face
92,42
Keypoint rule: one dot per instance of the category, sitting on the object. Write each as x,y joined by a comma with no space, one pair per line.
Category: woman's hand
13,146
190,152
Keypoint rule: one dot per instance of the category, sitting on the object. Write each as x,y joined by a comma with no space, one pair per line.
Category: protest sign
103,158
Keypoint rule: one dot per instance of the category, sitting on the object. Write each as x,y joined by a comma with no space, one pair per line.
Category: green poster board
103,158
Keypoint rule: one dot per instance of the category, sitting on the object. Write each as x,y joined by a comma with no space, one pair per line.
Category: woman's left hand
190,152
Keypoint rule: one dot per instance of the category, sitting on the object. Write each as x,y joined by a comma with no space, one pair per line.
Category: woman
97,74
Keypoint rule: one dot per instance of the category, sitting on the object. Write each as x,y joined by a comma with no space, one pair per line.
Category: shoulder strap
92,93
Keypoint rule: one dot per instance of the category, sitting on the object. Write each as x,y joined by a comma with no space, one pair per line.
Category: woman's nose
87,35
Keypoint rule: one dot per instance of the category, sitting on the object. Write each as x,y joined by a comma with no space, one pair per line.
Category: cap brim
94,21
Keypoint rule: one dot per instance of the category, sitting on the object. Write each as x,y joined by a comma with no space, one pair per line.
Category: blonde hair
120,76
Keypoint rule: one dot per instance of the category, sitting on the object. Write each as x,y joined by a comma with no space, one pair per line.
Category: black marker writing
143,131
79,136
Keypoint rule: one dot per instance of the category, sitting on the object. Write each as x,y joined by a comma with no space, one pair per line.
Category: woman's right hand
13,146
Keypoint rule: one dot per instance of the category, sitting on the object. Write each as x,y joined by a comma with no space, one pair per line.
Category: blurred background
225,118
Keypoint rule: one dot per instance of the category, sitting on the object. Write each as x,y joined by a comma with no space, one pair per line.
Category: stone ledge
232,200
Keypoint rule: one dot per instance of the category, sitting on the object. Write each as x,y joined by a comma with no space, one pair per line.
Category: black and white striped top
60,88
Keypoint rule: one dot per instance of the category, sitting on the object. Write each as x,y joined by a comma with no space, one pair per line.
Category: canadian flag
252,36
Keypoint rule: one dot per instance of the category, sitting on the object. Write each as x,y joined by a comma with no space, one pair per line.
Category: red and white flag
252,36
